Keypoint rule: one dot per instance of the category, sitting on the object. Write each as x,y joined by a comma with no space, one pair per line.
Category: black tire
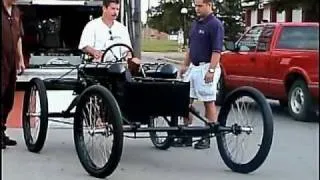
283,103
167,142
307,112
267,135
112,109
221,91
35,145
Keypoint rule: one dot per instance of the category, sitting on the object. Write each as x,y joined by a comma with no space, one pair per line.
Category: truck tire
221,91
300,103
283,103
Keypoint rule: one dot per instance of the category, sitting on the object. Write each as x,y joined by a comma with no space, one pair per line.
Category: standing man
102,32
201,65
11,62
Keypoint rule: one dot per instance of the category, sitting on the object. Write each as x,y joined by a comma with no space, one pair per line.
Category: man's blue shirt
206,36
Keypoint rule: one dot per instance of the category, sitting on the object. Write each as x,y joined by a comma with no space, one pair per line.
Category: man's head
111,9
203,7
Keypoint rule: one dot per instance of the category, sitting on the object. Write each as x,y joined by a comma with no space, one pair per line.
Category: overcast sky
144,8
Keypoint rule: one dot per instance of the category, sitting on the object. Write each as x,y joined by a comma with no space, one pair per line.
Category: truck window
249,41
265,39
299,37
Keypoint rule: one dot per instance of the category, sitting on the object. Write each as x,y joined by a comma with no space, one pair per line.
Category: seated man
102,32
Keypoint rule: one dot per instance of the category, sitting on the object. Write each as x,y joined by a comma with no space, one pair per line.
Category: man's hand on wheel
97,56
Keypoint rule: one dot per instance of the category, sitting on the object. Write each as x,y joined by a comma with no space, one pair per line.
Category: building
266,11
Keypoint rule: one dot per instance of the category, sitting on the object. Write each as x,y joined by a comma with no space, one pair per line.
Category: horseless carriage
112,100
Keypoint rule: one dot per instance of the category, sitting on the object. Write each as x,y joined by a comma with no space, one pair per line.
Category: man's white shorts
199,89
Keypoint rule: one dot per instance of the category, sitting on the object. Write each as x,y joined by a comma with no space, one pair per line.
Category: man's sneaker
203,144
182,142
9,142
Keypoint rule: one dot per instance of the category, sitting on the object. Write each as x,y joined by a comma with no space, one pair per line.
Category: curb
170,60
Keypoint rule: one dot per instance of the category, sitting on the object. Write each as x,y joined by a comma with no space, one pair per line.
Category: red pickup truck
279,59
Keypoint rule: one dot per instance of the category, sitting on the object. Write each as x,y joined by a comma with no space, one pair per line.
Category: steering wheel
123,55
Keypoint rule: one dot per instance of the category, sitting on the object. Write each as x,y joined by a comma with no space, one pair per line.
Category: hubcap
297,100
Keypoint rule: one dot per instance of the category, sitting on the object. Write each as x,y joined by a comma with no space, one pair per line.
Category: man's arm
20,50
93,52
87,41
187,61
126,37
217,36
21,65
215,59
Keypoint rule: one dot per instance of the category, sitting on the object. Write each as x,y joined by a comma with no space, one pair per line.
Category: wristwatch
211,70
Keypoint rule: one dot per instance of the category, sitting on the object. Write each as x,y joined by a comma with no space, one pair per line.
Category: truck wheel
220,91
283,103
300,104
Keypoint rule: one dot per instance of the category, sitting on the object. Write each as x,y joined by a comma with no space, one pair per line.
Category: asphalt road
294,155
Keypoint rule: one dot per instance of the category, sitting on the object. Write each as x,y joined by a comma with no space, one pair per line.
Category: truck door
239,65
262,61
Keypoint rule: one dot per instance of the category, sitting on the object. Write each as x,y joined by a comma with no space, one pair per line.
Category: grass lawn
155,45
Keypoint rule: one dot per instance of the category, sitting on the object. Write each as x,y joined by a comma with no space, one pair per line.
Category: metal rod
177,131
158,129
62,114
62,122
197,114
72,105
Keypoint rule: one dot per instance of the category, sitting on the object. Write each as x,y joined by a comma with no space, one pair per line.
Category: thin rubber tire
35,145
168,140
267,136
116,118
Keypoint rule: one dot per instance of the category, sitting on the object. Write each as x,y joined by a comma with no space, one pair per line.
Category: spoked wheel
162,140
247,145
35,115
98,131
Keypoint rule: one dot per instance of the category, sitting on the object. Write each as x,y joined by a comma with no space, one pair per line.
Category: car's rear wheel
300,103
283,103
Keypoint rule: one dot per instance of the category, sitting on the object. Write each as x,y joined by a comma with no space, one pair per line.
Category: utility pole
137,28
148,12
146,30
184,12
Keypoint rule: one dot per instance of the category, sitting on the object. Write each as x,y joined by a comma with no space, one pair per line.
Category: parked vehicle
279,59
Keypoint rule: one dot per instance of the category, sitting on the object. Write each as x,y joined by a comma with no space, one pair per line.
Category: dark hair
207,1
106,3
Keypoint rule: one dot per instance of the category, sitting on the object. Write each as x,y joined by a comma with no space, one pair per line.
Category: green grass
155,45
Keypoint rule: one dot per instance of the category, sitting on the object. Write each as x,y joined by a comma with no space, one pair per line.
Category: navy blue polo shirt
205,37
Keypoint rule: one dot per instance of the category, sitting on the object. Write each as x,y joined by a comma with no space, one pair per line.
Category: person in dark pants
11,62
201,65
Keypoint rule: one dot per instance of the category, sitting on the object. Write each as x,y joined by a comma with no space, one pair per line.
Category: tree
166,16
230,12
